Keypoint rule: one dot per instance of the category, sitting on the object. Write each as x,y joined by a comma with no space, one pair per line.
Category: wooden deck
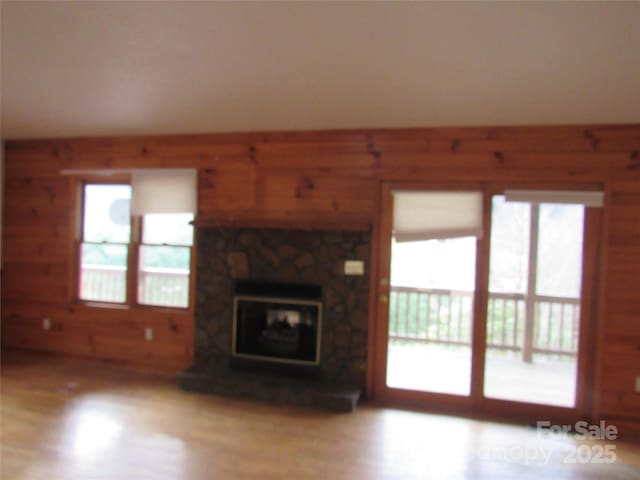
70,418
441,369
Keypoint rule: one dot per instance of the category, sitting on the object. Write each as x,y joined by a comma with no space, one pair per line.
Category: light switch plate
148,334
638,384
46,323
354,267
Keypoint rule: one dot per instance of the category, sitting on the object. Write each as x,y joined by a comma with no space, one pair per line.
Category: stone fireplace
227,257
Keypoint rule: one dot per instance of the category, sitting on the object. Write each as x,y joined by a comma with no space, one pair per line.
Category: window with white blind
136,240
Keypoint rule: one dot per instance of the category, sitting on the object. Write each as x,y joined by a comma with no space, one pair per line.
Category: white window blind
588,199
164,191
430,215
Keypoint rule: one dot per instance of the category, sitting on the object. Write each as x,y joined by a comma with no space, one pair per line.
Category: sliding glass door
481,297
432,287
533,310
430,315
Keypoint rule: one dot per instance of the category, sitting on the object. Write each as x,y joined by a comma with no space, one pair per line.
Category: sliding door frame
434,401
476,404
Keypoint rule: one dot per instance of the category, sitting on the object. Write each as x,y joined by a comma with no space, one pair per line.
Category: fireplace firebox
277,323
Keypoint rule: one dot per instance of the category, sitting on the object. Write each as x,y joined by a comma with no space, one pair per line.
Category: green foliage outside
152,257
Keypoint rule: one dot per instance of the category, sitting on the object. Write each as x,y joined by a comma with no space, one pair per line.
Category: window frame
133,265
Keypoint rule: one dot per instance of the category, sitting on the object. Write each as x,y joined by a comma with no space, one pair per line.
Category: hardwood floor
70,418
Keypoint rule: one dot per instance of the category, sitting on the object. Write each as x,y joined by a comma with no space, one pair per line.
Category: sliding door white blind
431,215
586,198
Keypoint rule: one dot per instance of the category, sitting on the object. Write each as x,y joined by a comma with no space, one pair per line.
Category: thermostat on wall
354,267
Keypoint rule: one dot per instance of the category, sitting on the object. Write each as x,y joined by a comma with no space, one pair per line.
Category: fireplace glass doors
284,330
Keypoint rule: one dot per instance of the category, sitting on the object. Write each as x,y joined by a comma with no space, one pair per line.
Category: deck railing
425,315
444,317
156,286
106,283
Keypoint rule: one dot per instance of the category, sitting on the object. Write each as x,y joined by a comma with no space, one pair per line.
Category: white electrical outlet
354,267
638,384
46,323
148,334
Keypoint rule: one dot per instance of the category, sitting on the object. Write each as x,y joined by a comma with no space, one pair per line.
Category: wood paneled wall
324,179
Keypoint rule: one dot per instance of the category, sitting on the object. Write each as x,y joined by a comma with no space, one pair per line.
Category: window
109,248
106,236
165,256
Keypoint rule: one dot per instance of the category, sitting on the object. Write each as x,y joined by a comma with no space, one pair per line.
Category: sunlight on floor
94,432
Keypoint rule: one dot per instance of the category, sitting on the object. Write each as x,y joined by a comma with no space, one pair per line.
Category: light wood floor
69,418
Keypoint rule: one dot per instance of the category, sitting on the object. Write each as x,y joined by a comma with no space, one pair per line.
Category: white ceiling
120,68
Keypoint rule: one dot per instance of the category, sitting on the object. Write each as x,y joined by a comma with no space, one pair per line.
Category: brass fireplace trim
264,358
